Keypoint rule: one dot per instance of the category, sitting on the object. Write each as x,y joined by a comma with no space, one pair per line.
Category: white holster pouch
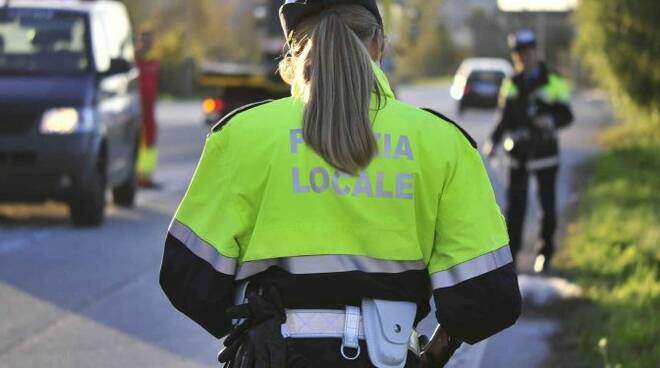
388,326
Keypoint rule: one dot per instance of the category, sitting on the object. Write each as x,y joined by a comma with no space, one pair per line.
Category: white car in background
477,82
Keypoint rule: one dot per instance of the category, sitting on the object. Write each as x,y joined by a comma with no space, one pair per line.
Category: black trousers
517,204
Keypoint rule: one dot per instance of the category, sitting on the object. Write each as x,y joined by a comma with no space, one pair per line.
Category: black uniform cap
294,11
522,39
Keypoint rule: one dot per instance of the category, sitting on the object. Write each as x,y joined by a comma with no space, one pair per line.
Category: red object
467,89
219,105
148,80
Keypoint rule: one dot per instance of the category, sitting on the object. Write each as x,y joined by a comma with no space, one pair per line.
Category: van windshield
43,42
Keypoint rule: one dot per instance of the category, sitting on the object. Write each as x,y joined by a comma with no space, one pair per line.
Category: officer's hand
262,346
439,350
265,347
259,308
258,342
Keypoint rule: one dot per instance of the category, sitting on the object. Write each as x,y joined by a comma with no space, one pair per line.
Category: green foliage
186,32
431,52
613,250
641,126
182,28
613,253
620,41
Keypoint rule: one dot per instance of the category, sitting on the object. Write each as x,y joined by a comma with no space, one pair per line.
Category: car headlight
63,120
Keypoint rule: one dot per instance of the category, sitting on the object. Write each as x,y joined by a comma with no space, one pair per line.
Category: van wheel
89,208
124,194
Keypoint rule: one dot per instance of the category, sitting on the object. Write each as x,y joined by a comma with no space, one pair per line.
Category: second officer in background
536,104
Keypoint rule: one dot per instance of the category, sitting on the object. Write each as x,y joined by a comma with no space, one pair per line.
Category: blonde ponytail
334,67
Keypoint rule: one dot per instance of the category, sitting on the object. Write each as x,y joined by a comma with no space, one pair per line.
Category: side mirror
118,66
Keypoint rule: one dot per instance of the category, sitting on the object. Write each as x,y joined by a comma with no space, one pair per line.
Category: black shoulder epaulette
465,133
225,119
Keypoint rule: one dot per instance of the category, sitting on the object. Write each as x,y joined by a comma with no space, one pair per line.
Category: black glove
261,347
437,352
258,342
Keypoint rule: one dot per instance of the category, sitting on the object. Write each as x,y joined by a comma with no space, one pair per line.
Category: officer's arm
481,306
195,288
200,257
501,127
561,115
560,109
474,283
507,94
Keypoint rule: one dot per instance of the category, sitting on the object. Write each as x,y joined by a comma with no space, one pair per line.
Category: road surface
90,298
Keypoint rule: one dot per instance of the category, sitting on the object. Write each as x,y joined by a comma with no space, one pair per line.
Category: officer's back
332,204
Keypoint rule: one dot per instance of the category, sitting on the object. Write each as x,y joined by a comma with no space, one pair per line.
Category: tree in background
188,32
186,28
427,50
620,42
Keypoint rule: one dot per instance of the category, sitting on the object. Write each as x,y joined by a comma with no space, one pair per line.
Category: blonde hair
331,66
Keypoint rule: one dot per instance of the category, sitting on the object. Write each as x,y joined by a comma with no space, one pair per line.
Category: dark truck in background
232,85
69,105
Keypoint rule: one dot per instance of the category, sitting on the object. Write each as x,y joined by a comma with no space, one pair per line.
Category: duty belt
385,325
327,323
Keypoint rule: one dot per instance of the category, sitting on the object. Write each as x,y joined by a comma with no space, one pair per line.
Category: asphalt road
90,298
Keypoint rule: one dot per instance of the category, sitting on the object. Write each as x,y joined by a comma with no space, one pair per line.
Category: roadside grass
613,252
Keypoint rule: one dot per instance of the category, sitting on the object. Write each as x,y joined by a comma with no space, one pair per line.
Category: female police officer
342,208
